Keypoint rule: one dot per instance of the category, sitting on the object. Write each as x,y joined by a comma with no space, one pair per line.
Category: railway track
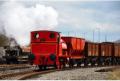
26,74
10,69
23,75
13,66
103,68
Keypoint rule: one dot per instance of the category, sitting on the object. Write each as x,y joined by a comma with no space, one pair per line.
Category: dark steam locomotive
15,55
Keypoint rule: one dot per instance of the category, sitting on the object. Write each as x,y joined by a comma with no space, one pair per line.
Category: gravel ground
16,70
76,74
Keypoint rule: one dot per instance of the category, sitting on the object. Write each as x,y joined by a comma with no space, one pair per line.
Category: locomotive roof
45,31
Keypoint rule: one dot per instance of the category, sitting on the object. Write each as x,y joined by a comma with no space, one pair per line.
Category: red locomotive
48,48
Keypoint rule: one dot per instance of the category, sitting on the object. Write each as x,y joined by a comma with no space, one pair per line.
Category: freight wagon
91,53
75,49
106,53
116,52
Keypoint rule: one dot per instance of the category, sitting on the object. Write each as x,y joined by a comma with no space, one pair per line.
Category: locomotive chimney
12,42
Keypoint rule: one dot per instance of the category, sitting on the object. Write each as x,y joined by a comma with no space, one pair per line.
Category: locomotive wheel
55,66
44,67
40,67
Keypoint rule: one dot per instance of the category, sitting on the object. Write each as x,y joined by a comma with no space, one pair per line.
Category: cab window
52,35
36,35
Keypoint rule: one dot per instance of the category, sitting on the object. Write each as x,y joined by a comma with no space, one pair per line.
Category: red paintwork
75,47
45,35
43,49
42,46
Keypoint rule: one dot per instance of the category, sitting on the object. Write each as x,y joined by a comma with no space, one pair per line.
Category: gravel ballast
75,74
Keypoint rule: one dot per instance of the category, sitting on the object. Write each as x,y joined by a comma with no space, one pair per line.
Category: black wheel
93,63
71,63
115,61
55,66
7,61
79,64
101,62
44,67
40,67
85,62
119,61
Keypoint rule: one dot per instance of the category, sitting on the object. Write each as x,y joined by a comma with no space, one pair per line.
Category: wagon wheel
71,63
86,61
79,64
62,65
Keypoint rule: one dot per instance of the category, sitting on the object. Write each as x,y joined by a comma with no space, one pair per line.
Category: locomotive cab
45,48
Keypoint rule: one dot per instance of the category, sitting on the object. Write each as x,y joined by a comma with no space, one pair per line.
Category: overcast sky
80,18
85,17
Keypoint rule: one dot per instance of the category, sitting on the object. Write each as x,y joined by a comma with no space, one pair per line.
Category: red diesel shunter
46,48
